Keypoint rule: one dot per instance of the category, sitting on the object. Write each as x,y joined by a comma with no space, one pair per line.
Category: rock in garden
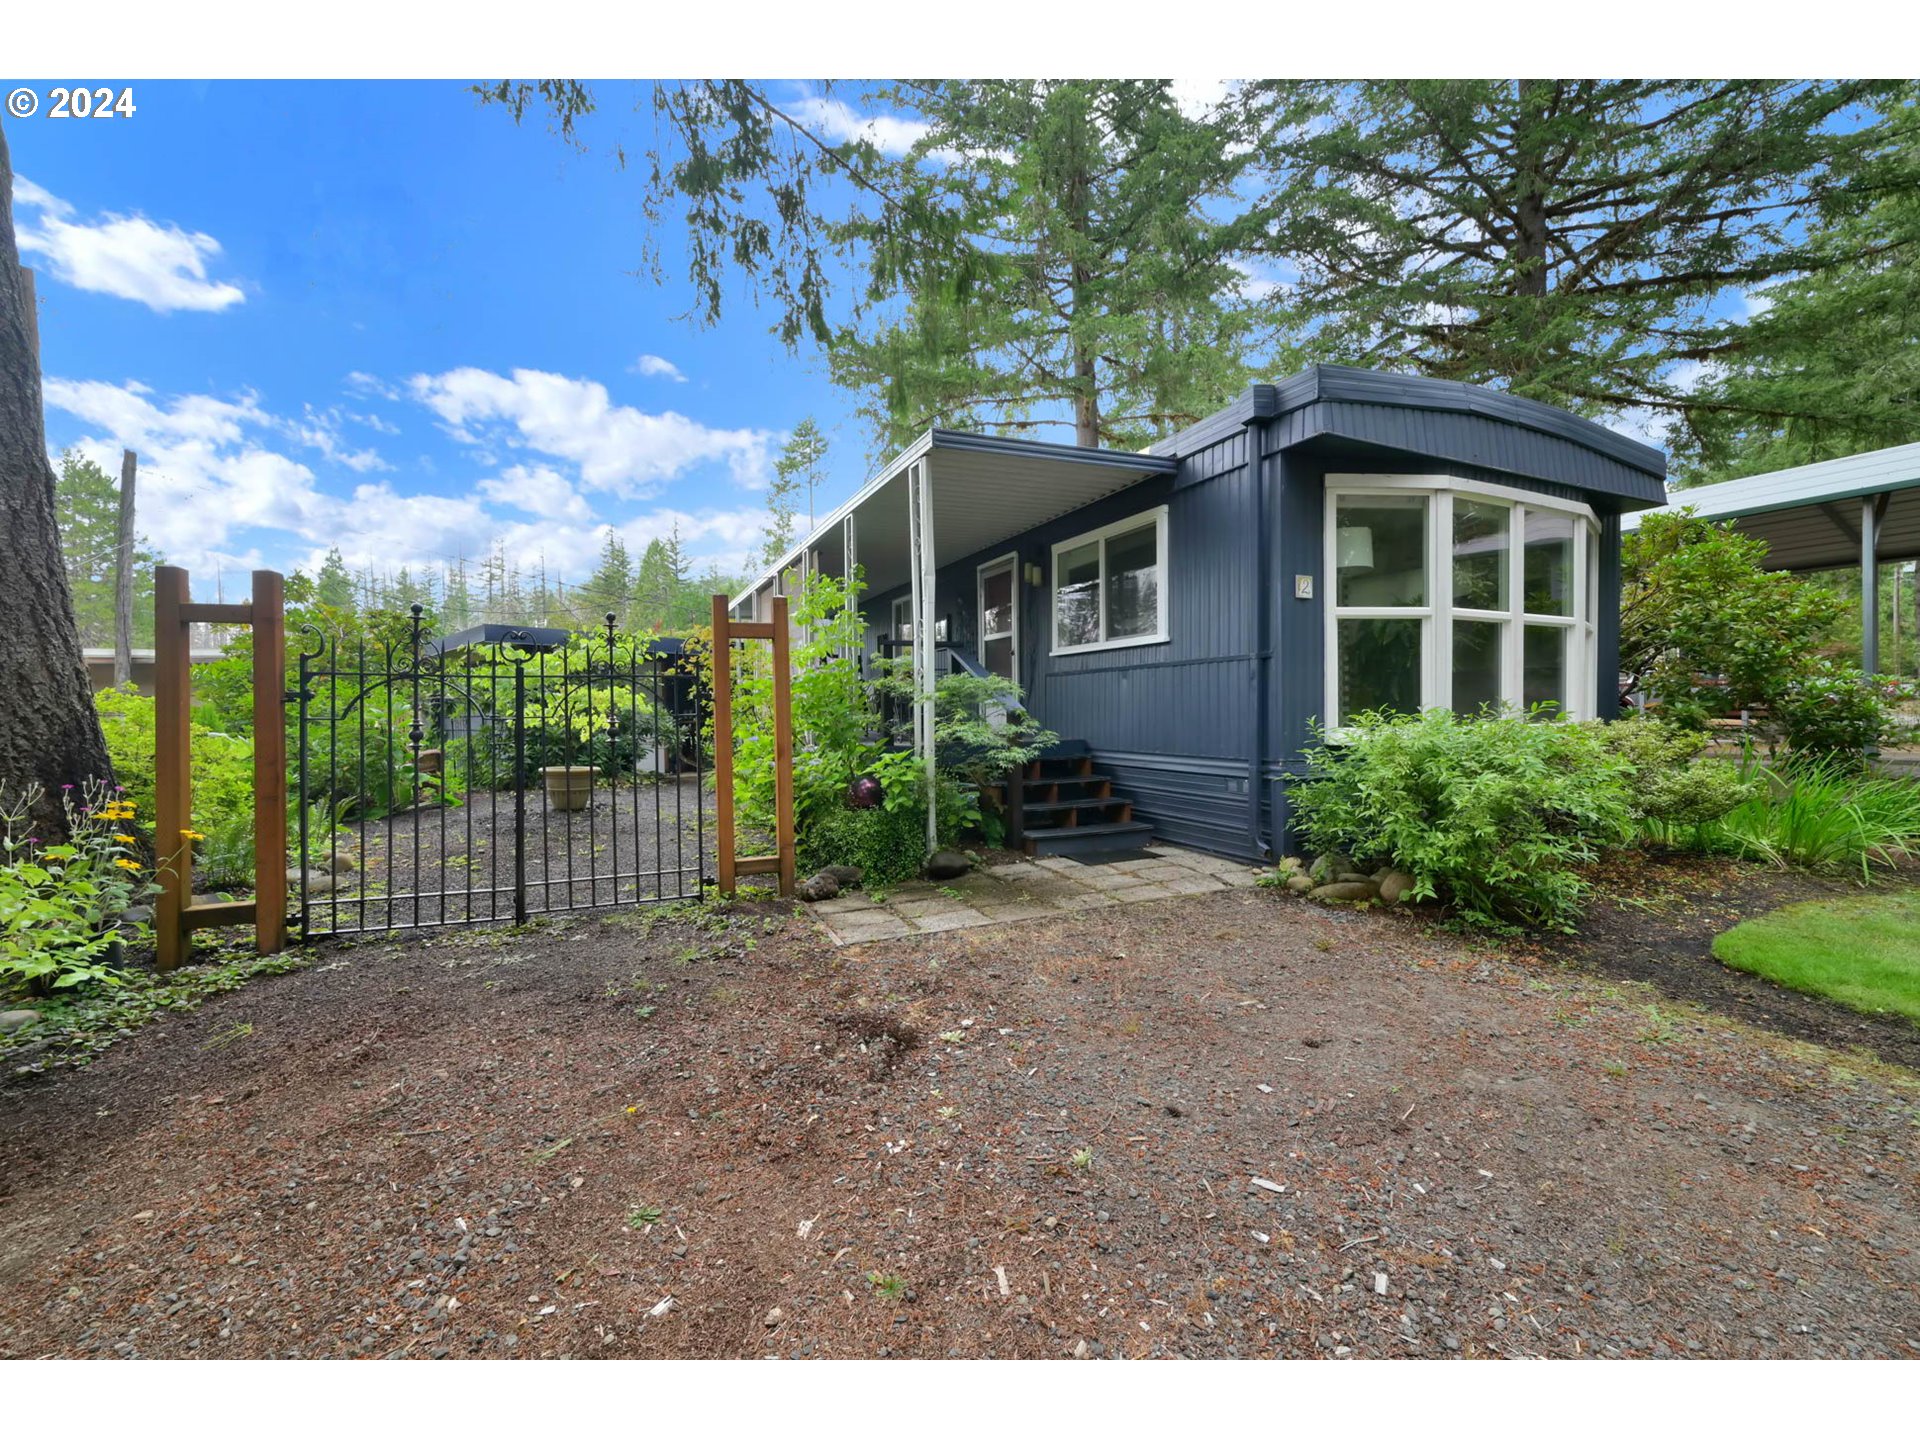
136,914
817,887
845,876
1395,886
319,882
1330,865
1343,890
1299,884
343,863
12,1020
1352,877
947,865
1291,865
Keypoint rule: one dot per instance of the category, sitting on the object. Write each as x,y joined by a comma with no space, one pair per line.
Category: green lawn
1863,952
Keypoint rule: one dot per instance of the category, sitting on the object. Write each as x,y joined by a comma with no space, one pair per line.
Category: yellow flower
126,840
191,835
126,864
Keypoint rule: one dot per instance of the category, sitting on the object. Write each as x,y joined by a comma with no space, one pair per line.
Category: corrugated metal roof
1810,515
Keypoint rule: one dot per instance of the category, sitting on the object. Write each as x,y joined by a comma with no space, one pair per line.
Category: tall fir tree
1074,265
797,471
87,507
609,590
1573,240
334,585
1829,365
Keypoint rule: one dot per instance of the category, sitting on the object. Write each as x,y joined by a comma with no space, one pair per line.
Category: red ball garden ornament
864,793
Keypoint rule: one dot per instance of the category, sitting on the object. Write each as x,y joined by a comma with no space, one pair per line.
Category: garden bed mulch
1231,1124
1654,917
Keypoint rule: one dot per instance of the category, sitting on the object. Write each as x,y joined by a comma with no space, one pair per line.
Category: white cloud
616,448
321,430
658,367
836,120
1198,99
361,383
538,490
161,265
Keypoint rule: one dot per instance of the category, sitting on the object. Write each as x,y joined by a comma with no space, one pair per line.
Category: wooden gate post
270,762
781,864
175,916
172,764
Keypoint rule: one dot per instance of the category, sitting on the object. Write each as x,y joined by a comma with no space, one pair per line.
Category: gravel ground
655,1135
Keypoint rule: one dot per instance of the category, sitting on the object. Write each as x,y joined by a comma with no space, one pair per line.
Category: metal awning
1810,516
1859,510
985,489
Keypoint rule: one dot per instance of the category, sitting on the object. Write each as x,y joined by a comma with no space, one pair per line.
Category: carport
1861,510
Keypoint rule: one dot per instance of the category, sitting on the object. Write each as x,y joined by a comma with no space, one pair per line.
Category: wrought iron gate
500,774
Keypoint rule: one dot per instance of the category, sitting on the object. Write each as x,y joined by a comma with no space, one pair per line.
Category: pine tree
800,466
457,606
1068,266
610,587
1829,367
334,586
653,589
87,506
1573,240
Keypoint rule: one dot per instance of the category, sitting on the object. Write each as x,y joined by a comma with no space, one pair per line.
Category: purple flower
66,787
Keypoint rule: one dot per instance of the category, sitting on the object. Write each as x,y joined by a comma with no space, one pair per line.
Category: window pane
1076,597
1380,549
996,603
1480,541
903,619
1544,661
997,656
1379,666
1476,665
1133,583
1549,563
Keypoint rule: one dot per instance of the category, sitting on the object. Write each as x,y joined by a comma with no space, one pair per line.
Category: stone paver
1027,890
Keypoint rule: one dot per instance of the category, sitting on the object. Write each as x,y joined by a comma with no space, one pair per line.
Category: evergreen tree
1068,265
457,608
334,585
611,585
87,508
653,589
799,466
1569,239
1829,367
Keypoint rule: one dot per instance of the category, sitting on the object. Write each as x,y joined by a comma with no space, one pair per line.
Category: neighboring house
100,665
1340,541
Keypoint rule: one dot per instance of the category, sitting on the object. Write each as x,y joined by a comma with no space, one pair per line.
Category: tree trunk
1529,192
123,576
49,734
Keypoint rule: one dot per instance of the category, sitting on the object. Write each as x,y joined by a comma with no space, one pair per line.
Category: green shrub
59,904
1836,712
889,845
1494,814
222,784
1672,791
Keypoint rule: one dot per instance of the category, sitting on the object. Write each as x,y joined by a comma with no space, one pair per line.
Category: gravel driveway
1225,1124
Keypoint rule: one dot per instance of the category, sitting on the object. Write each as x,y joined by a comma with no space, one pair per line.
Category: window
1109,586
1450,594
903,622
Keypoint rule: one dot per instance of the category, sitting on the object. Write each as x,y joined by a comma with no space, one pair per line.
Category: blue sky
380,316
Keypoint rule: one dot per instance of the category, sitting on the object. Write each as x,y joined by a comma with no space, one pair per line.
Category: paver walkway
1052,886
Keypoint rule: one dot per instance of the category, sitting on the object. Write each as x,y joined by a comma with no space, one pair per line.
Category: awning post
920,558
1870,583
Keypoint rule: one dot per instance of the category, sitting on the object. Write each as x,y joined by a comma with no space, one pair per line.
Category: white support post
1870,584
849,559
920,519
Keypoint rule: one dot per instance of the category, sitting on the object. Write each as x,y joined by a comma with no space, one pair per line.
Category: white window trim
1436,617
1010,562
893,614
1161,634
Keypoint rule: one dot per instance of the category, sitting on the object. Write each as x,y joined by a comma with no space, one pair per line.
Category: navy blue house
1341,541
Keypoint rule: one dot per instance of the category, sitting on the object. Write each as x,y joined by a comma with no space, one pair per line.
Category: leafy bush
59,904
1673,791
1836,712
1494,813
889,845
222,784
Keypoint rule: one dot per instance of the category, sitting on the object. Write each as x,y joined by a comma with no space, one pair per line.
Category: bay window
1451,594
1109,585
